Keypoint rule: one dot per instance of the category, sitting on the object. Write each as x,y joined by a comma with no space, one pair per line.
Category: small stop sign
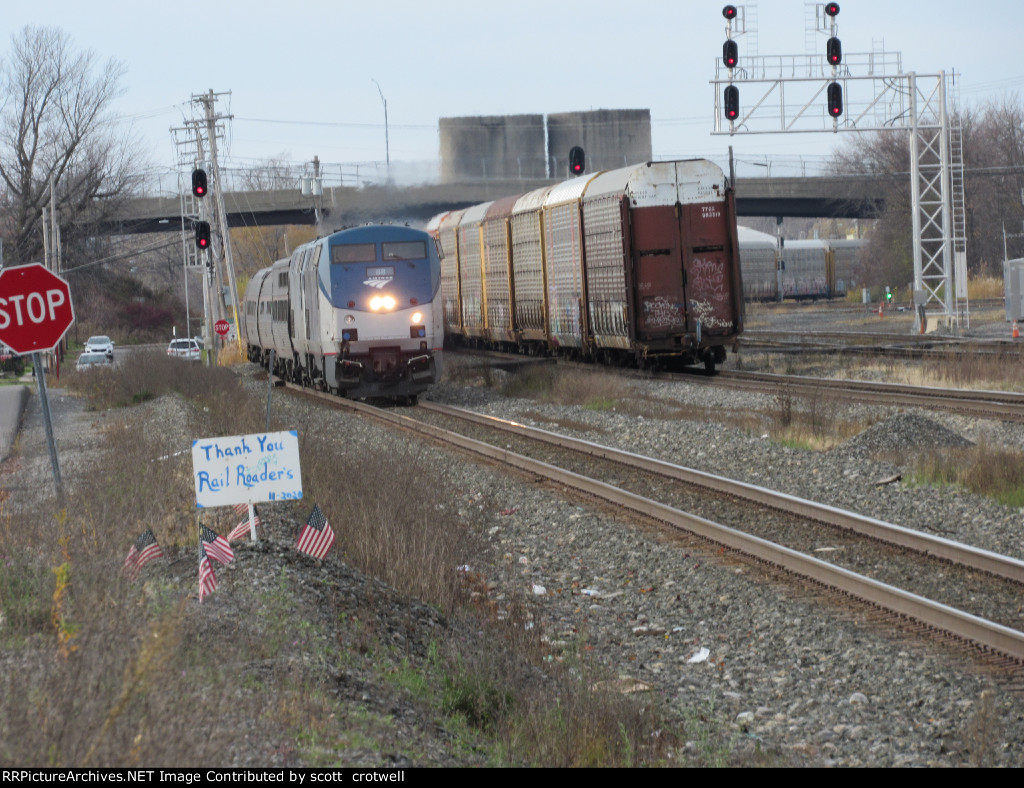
35,308
222,327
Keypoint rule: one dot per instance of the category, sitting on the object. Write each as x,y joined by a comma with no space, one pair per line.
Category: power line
329,124
124,255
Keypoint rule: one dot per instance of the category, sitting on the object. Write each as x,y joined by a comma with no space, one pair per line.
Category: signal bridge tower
864,92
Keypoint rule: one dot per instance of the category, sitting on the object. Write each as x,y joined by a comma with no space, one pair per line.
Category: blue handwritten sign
247,468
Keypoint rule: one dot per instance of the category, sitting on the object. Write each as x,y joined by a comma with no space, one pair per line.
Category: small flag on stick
316,537
216,547
207,580
143,551
242,529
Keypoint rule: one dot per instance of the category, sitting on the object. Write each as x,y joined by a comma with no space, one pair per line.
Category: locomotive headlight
350,319
382,302
417,317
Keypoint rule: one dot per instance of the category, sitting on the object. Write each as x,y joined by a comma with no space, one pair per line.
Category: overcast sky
301,74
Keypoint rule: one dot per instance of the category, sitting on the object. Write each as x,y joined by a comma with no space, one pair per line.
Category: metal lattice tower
786,94
931,189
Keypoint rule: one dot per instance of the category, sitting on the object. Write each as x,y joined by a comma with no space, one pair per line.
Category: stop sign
35,308
222,327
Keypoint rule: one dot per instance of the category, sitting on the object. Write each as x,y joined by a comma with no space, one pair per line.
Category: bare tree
889,257
270,173
55,126
993,139
994,184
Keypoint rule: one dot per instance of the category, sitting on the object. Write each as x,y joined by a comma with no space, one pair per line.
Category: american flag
143,551
207,580
217,546
242,508
242,529
316,537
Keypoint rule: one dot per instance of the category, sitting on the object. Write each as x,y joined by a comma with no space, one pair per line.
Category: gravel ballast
780,671
789,674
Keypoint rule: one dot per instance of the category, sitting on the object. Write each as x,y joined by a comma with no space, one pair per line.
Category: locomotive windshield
404,250
354,253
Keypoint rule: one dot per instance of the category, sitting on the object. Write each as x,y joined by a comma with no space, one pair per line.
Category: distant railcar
358,313
759,259
805,269
846,256
638,264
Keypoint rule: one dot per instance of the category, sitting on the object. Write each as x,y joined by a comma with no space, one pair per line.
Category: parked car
9,362
99,344
188,349
93,360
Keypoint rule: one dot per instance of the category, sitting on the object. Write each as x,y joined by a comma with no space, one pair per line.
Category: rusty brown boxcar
636,264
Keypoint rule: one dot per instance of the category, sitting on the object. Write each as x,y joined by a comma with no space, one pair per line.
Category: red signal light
833,51
729,12
835,99
732,102
730,53
202,235
832,9
577,160
199,182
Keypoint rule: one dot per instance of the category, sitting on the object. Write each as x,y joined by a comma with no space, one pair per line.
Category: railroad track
999,405
979,605
978,403
890,345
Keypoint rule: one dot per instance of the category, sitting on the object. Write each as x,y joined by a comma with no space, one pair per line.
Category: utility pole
196,210
207,100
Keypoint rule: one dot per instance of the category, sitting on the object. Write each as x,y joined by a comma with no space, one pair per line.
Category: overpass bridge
822,196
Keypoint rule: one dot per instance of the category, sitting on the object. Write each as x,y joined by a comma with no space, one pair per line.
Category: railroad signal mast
730,59
860,92
205,237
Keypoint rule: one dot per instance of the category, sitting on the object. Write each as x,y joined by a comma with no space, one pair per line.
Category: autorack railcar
634,265
805,269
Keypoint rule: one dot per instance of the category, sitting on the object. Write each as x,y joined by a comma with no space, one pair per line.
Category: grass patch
593,389
984,470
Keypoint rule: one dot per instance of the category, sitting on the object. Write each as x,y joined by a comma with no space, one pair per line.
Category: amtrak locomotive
356,313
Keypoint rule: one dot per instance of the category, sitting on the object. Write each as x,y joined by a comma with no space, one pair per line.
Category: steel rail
1002,405
935,546
987,635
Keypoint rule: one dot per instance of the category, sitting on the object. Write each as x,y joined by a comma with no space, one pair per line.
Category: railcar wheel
709,364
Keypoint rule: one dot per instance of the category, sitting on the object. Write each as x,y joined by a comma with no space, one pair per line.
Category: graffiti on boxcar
705,312
707,278
660,313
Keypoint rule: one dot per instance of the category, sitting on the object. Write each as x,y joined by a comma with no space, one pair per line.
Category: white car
188,349
100,344
93,360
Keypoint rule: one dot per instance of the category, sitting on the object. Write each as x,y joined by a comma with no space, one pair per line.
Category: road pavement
13,400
